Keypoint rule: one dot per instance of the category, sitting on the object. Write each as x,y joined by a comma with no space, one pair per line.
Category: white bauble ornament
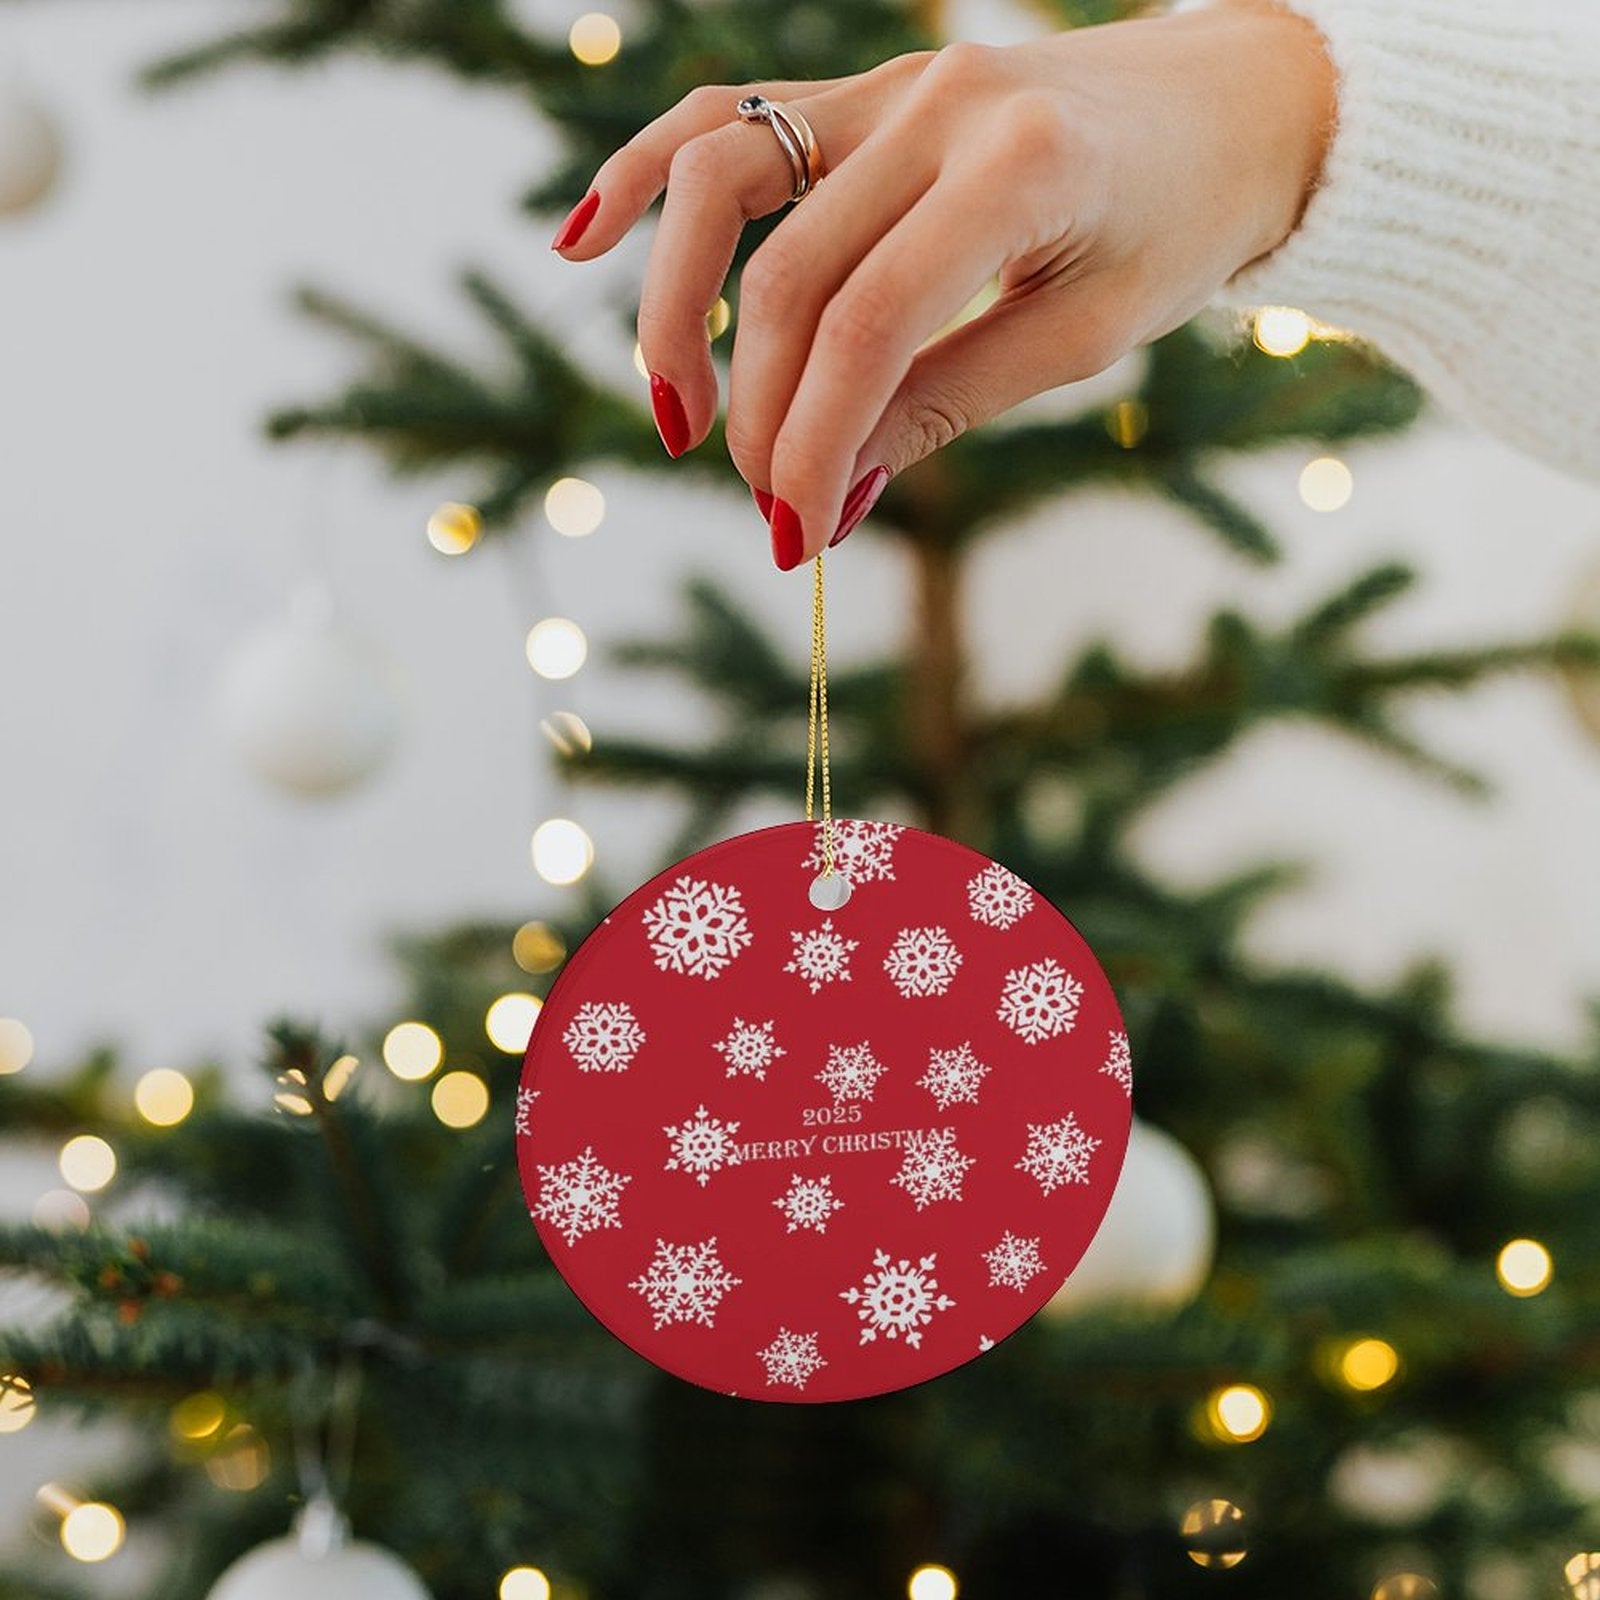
30,151
1154,1248
319,1562
309,708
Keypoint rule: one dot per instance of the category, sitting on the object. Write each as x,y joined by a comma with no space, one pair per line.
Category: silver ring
794,135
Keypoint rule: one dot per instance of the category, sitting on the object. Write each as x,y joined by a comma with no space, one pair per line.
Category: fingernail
763,502
788,537
671,423
859,502
578,218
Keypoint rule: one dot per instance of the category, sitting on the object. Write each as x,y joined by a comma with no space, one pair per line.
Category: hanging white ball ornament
1155,1246
310,709
318,1561
30,151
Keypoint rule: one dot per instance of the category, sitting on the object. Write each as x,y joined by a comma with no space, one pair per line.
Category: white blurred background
156,894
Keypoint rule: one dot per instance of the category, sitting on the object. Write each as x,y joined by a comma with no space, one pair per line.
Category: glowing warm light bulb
412,1050
556,647
595,38
16,1045
524,1583
932,1582
1239,1413
1282,331
16,1403
337,1078
1583,1575
574,507
1524,1268
1213,1533
92,1532
460,1099
1327,484
537,947
1368,1364
562,851
453,528
198,1416
163,1097
510,1020
87,1162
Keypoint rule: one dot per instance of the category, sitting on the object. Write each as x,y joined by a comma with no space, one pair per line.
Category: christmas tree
1388,1383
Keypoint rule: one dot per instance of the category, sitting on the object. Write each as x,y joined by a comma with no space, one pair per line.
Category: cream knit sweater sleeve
1457,221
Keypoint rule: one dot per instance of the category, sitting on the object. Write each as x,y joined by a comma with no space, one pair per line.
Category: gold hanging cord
817,721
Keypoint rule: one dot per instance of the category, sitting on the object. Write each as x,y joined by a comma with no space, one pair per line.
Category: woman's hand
1113,177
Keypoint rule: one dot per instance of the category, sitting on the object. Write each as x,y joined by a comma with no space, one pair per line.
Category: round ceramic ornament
795,1149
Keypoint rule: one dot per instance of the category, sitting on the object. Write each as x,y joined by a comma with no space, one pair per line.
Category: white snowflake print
863,852
685,1283
579,1196
922,961
1040,1001
808,1203
702,1144
1013,1262
697,927
749,1049
851,1073
821,956
1058,1153
1119,1061
603,1036
953,1076
792,1358
932,1168
525,1099
998,898
897,1299
984,1343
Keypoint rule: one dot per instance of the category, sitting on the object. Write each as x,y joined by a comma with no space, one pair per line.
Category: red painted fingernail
859,502
763,502
788,537
578,218
671,423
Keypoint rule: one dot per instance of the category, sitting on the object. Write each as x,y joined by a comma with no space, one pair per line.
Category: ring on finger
795,136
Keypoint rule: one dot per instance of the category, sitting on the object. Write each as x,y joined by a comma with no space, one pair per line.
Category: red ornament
801,1154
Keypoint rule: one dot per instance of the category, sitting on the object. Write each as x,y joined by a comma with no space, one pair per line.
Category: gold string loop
817,721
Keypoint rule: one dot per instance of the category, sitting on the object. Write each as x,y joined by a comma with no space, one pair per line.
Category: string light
568,732
1213,1533
562,851
412,1050
595,38
453,528
1327,484
509,1021
1368,1364
574,507
1524,1268
163,1097
197,1417
61,1208
1128,422
1282,331
87,1162
1238,1413
1406,1586
16,1045
241,1460
17,1405
460,1099
524,1583
537,947
1583,1575
92,1531
932,1582
556,647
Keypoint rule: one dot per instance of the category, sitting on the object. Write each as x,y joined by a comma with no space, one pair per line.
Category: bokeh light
460,1099
87,1162
198,1416
17,1405
163,1097
574,507
1368,1364
92,1532
1583,1575
509,1021
932,1582
556,647
412,1050
337,1078
524,1583
1213,1533
1406,1586
241,1460
16,1045
1128,422
61,1208
1524,1268
454,528
595,38
537,947
1282,331
562,851
718,318
1239,1412
1327,484
568,732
